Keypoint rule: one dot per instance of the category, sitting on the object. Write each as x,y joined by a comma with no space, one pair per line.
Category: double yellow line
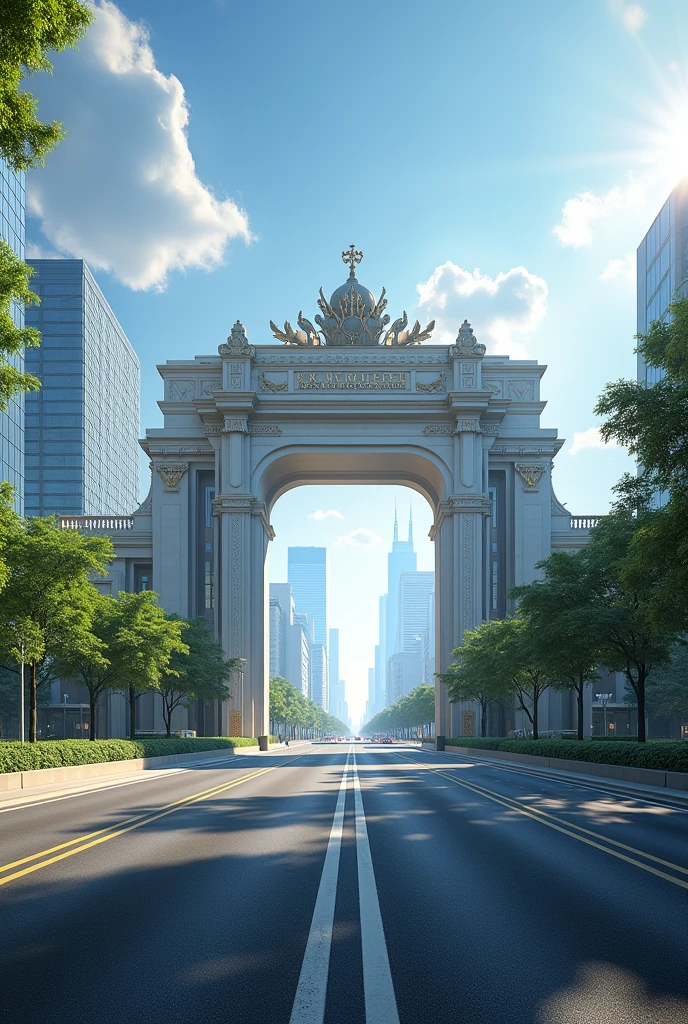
57,853
583,835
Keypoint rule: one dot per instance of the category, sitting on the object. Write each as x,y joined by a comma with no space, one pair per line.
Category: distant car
386,739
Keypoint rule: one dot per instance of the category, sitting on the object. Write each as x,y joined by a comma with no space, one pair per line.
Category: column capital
236,504
235,425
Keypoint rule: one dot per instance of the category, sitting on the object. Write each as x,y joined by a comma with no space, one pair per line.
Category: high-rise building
402,558
662,262
82,452
662,266
335,694
290,639
428,644
404,673
381,657
307,575
318,693
415,589
13,231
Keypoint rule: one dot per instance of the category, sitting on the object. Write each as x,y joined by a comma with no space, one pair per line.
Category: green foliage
415,710
197,667
29,31
14,288
663,756
17,757
667,694
290,709
47,603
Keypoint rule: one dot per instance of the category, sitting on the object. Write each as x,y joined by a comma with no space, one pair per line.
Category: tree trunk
167,718
536,698
132,713
483,720
579,701
640,694
93,704
33,703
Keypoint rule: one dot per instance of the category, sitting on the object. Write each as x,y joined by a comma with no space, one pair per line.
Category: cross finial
352,257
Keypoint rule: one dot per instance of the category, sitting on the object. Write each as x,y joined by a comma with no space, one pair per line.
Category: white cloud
361,538
39,252
673,66
320,513
503,310
621,267
590,438
582,212
122,191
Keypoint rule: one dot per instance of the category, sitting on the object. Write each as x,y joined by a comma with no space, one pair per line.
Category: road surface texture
341,884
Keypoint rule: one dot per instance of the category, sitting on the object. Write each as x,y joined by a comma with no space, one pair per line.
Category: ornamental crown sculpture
352,317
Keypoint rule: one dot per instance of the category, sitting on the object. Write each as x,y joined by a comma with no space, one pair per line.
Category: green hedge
18,757
662,755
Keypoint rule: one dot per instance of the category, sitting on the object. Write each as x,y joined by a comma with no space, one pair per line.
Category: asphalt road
319,885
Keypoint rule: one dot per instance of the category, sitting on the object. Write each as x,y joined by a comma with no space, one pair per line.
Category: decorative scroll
264,430
439,428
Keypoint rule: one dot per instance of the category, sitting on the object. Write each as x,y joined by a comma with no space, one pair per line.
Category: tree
29,31
14,288
10,687
49,592
621,599
290,710
10,525
475,674
667,696
566,624
198,669
414,710
132,652
651,422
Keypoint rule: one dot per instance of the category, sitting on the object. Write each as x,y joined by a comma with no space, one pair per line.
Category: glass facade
12,230
662,267
82,427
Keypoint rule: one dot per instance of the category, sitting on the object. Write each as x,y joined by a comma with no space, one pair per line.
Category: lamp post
64,716
604,699
21,694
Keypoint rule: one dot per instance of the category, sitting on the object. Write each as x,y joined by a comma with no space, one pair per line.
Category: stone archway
242,427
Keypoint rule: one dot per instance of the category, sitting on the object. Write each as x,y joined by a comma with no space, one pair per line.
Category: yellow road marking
566,828
102,835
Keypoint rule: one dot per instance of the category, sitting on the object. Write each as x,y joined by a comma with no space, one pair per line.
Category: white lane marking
311,992
380,1001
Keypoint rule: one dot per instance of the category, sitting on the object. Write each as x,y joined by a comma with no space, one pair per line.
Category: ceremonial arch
351,401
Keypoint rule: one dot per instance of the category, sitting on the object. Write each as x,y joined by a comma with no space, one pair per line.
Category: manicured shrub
662,755
17,757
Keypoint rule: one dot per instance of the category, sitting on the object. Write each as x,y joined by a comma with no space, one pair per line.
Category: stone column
458,536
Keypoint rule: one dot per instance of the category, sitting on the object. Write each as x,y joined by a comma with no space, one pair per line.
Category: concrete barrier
618,772
13,781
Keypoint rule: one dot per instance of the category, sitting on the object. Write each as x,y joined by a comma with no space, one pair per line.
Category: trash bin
439,742
263,742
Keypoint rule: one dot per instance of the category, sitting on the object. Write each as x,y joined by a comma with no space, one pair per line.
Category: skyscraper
662,263
333,666
291,638
415,589
12,231
402,558
82,453
307,575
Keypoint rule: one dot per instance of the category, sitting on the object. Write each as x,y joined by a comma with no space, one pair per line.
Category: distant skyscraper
415,589
318,692
333,670
662,271
291,637
404,673
307,574
402,558
82,453
12,231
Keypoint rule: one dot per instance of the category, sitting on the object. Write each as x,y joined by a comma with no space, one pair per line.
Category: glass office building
12,231
82,427
662,267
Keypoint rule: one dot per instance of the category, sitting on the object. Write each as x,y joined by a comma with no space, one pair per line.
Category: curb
649,786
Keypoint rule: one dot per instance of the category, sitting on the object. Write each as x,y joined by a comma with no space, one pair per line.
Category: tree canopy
412,712
29,31
290,709
197,668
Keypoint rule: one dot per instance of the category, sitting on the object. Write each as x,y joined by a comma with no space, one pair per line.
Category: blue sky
496,161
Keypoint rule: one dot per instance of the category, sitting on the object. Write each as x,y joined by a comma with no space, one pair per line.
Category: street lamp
604,699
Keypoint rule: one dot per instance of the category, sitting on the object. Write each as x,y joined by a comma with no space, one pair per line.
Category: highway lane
232,892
